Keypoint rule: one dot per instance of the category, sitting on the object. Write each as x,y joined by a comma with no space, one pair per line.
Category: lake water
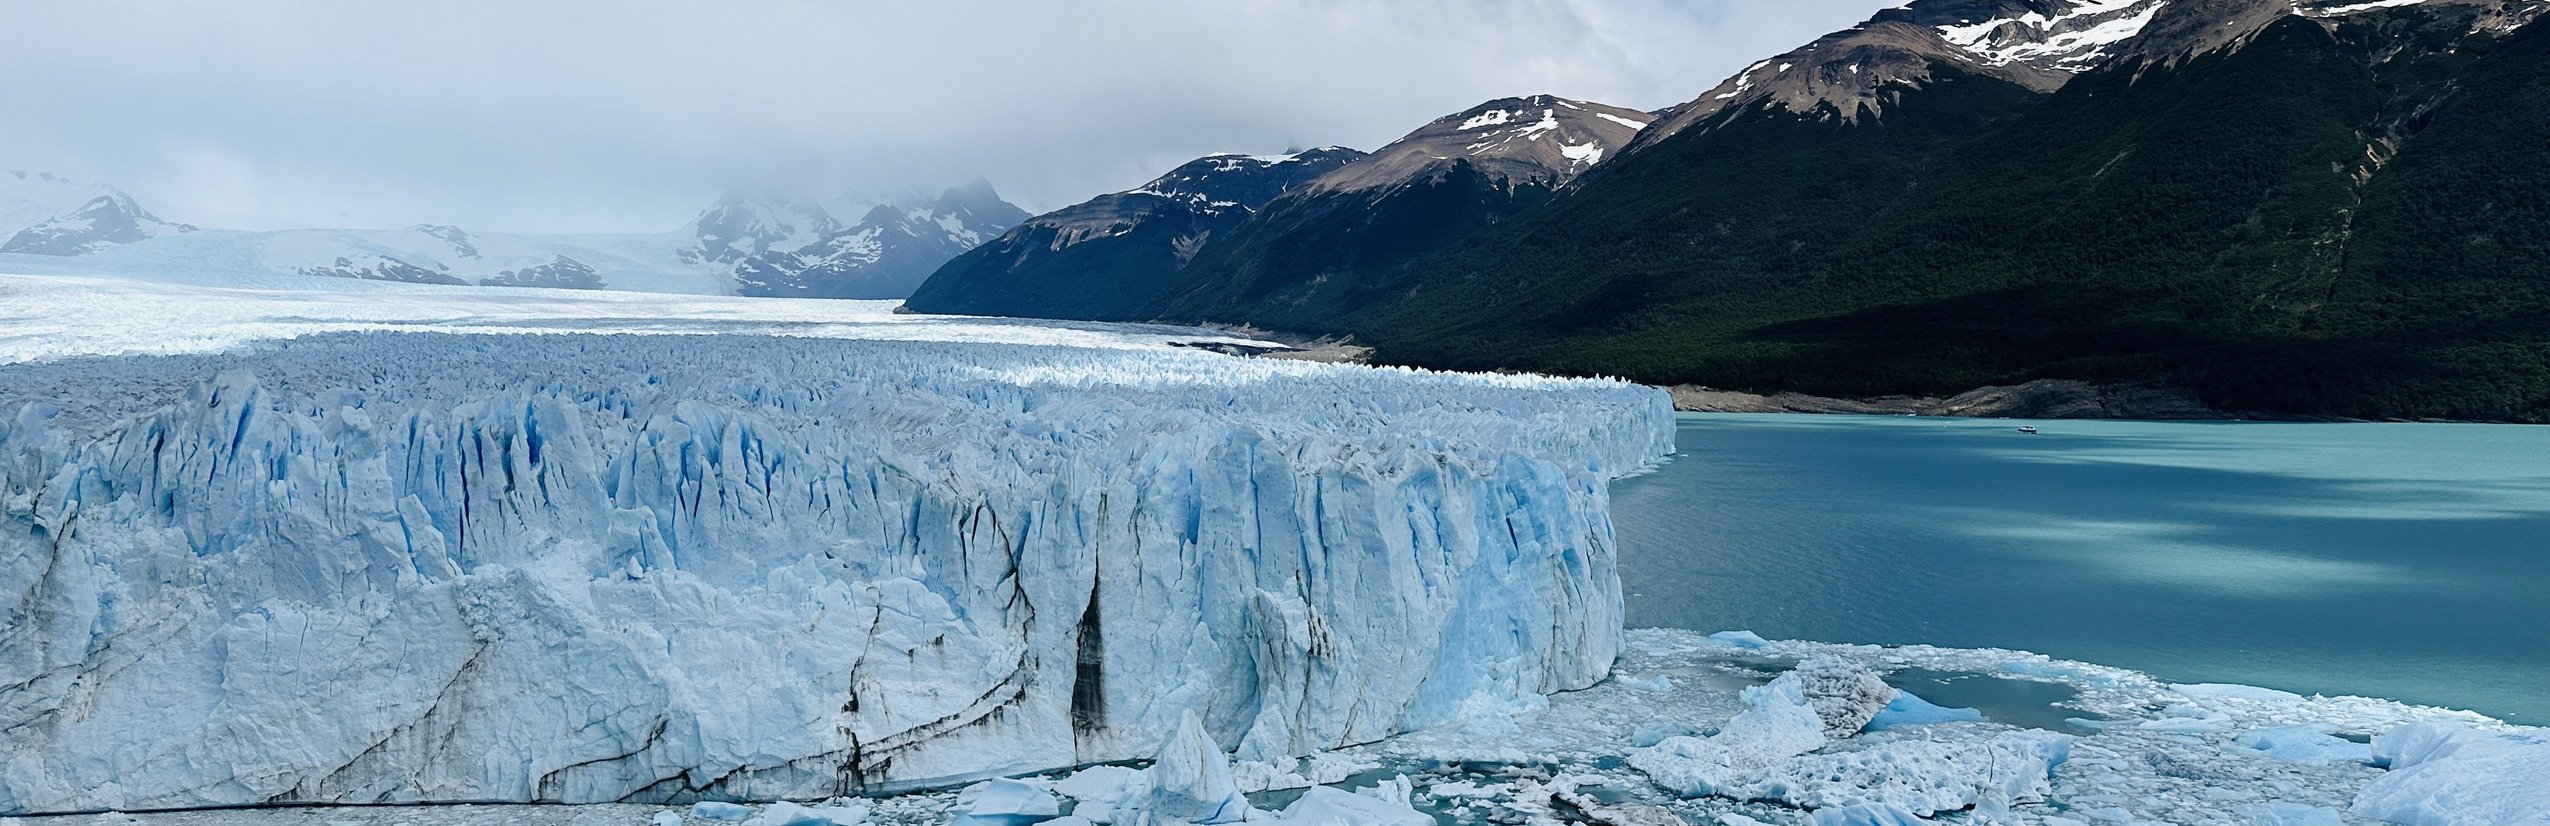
2409,561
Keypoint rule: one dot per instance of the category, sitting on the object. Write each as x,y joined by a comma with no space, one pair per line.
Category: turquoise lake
2408,561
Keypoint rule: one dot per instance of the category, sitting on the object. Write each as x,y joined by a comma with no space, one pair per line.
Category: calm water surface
2409,561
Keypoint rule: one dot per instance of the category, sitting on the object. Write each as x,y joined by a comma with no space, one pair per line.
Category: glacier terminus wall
393,567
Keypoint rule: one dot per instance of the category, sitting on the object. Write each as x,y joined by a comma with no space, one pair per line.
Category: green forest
2349,222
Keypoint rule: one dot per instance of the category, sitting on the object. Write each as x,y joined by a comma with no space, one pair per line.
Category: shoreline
2040,399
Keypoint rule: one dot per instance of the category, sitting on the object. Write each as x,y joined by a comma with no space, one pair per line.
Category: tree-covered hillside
2342,217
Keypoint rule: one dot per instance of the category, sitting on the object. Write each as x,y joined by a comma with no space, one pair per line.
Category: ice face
395,567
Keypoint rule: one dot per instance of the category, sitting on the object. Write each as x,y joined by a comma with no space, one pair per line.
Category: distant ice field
51,316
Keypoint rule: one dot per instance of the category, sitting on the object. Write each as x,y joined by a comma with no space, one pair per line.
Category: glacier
363,564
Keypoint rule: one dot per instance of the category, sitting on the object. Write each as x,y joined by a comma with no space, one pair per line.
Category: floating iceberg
2449,775
1782,748
1909,710
381,567
1005,802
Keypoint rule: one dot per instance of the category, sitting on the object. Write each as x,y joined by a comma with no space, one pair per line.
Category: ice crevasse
386,567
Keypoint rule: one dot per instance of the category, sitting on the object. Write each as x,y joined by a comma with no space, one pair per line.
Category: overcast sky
572,116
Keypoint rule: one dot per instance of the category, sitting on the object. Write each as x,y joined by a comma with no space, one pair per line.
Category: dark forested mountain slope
1348,239
1111,257
2312,206
2340,215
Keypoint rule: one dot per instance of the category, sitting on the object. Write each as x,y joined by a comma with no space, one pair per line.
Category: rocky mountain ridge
45,214
1235,224
1131,243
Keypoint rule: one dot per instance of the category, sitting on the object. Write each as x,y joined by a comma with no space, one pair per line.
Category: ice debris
2277,813
1190,783
1867,814
836,813
1844,696
1909,710
2305,744
1098,790
2449,775
1005,802
1740,639
1329,806
1782,748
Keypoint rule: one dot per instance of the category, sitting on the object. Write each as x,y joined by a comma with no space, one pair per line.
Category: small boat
2028,429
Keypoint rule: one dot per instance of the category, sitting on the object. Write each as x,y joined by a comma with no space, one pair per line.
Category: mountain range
851,246
2333,207
2326,207
1288,237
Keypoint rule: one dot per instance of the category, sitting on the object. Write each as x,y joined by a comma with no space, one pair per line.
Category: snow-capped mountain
1261,239
741,225
744,243
2187,28
1538,140
1099,252
1341,239
441,254
1223,182
2037,44
45,214
891,249
560,273
2289,205
2320,206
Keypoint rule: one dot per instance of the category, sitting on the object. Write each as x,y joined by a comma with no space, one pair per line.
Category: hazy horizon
587,117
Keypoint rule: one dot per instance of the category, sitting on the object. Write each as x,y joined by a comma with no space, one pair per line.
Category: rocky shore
2041,399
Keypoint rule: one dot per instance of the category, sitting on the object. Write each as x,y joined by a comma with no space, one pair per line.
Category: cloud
580,115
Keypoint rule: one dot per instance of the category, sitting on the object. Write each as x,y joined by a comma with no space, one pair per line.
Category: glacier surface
365,565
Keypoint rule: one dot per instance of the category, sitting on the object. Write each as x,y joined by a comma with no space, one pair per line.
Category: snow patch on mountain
1854,74
740,225
1199,197
2323,8
1628,122
2071,41
1223,181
